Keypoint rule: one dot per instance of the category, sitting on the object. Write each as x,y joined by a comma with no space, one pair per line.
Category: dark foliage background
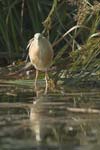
79,51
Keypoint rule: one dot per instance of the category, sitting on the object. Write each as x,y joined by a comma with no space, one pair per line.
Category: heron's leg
46,80
37,72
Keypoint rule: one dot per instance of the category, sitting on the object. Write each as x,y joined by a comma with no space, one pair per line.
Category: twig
63,36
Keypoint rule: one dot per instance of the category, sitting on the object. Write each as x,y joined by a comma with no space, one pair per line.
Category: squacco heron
41,55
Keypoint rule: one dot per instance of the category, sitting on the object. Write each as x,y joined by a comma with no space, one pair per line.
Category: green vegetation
77,54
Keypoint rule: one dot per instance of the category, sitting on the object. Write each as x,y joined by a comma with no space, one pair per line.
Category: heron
41,56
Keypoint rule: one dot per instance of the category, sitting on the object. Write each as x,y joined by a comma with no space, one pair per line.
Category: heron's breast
40,55
34,52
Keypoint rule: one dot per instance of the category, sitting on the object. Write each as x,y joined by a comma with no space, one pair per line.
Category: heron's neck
37,41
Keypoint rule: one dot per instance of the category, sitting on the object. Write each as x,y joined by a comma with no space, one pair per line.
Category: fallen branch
83,110
70,109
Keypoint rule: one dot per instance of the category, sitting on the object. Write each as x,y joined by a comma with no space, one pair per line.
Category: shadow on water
28,122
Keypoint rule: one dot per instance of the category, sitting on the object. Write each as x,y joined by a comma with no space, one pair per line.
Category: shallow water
59,120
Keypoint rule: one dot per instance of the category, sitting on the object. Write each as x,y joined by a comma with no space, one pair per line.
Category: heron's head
37,36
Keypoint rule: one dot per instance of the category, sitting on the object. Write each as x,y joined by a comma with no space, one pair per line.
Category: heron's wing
29,43
46,53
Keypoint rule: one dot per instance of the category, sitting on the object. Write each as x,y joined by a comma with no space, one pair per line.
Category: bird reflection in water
49,128
41,128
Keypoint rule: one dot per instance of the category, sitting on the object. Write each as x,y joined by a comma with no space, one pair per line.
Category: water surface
66,119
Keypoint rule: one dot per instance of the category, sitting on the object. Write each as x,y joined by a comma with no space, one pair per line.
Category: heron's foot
51,84
38,90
